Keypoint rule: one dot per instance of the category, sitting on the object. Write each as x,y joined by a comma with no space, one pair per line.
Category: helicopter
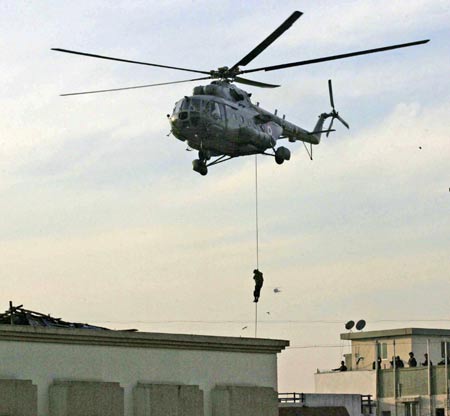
219,120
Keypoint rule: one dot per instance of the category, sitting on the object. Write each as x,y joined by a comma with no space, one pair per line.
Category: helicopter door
223,119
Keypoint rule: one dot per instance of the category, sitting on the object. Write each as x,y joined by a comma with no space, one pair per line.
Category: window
221,109
192,104
185,104
440,412
213,108
382,350
411,409
386,413
177,107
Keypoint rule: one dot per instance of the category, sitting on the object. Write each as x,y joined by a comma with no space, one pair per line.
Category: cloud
100,210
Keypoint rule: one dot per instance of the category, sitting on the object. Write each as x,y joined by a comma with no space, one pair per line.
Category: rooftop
386,333
129,339
19,324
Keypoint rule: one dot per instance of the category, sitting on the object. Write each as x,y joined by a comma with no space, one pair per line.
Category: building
325,404
49,367
397,390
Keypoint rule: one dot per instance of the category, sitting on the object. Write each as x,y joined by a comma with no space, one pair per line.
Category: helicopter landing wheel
282,154
279,160
200,167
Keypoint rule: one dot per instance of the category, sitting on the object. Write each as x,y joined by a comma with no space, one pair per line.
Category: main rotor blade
269,40
128,61
330,90
332,58
133,88
255,83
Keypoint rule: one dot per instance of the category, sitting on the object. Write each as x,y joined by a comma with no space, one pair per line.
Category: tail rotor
334,114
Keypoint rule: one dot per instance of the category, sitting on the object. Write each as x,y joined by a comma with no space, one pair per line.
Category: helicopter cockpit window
194,104
213,108
191,104
177,107
237,96
185,104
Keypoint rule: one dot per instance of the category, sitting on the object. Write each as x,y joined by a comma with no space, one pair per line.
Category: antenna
360,324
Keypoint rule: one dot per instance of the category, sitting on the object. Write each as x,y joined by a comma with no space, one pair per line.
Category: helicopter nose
179,121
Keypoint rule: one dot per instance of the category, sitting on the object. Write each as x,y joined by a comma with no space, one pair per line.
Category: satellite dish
360,324
349,325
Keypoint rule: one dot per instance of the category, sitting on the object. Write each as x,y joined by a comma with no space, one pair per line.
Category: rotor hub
225,73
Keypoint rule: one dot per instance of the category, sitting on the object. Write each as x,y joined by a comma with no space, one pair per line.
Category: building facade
398,388
324,404
79,372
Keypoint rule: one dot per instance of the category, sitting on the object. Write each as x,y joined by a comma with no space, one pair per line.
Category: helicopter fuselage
219,118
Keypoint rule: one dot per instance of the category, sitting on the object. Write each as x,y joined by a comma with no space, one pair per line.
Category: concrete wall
44,355
367,350
424,406
244,401
44,363
167,400
403,345
348,382
412,381
83,398
17,397
313,411
352,402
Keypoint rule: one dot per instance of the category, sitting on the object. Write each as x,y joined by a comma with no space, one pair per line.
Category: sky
102,219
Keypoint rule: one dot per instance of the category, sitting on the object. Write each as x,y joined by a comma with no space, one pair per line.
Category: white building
407,391
326,404
78,372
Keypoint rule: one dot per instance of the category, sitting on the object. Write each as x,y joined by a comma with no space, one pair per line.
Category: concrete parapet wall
167,400
18,398
313,411
244,401
346,382
412,381
352,402
83,398
45,355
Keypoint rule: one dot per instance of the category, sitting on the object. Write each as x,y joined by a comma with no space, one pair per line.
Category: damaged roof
18,315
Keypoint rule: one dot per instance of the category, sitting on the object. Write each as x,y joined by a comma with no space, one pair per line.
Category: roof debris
18,315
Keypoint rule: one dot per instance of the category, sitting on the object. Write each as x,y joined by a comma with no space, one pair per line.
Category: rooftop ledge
385,333
140,339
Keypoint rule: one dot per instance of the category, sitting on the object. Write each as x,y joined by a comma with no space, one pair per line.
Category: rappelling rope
257,237
256,210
